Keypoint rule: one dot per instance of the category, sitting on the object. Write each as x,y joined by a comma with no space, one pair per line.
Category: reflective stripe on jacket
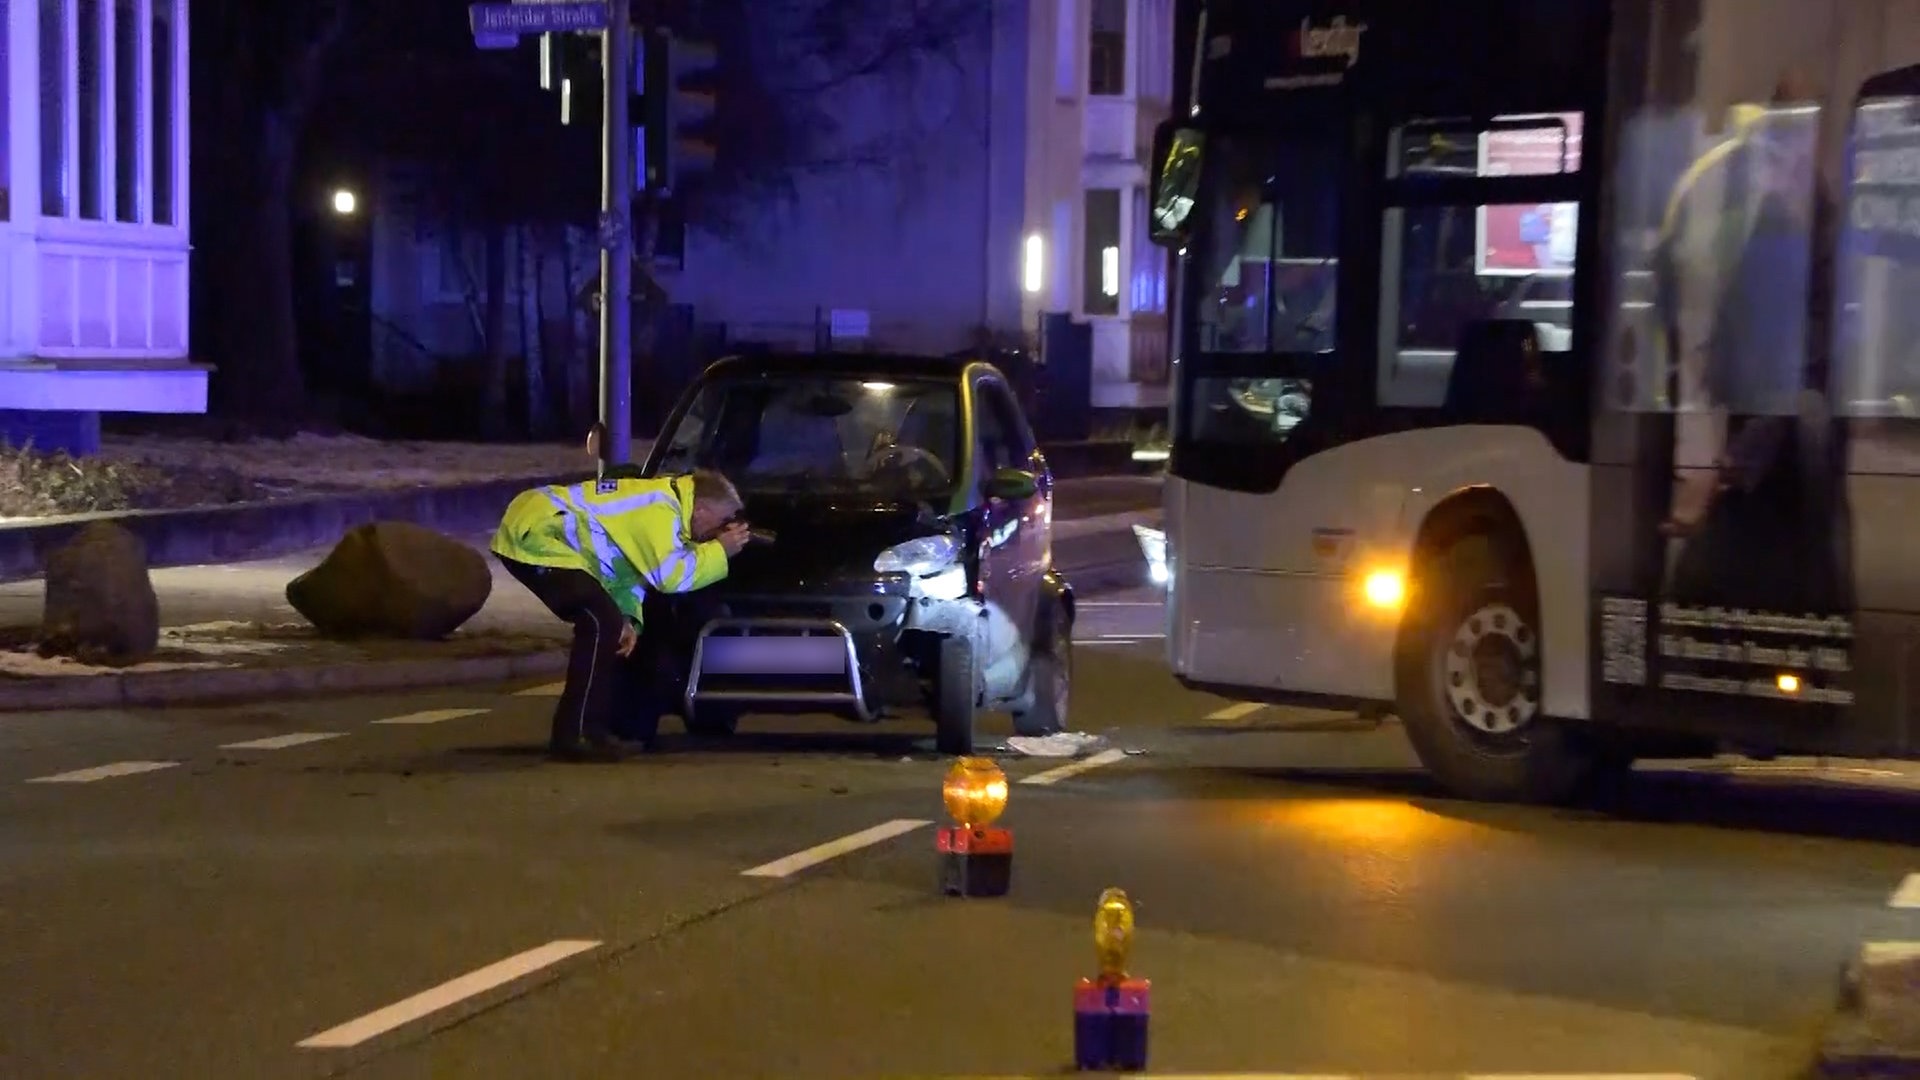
634,535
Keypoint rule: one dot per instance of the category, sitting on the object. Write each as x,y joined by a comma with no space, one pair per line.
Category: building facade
1095,91
93,219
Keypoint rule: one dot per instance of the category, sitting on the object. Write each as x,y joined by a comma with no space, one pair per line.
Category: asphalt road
407,887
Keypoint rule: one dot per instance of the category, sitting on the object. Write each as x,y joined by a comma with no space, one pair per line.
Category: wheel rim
1492,672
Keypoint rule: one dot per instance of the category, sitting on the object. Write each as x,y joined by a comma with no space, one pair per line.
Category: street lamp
345,202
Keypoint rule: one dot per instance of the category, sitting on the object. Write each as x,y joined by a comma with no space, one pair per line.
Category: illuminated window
1102,250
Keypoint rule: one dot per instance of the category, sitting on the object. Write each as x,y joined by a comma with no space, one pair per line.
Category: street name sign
496,23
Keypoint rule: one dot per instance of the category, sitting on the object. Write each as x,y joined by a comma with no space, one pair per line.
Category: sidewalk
228,633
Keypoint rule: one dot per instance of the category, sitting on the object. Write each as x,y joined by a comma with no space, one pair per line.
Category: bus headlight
1384,589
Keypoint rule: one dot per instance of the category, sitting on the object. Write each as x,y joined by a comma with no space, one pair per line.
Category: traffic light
679,83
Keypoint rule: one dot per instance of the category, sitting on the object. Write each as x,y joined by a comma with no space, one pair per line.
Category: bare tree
409,73
257,74
788,69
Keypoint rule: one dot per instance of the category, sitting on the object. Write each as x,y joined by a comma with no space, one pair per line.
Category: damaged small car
903,562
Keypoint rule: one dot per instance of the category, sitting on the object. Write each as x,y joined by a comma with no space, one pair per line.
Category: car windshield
889,437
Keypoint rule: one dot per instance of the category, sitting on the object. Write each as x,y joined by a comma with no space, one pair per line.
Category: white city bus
1471,299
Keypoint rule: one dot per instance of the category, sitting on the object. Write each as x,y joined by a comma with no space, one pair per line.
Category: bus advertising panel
1525,240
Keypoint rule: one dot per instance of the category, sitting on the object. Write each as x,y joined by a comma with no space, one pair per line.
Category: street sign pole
616,236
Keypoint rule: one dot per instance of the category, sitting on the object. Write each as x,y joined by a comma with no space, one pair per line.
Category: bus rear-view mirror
1177,154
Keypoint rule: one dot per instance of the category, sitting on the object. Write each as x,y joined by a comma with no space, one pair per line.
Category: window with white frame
1107,48
1102,252
110,75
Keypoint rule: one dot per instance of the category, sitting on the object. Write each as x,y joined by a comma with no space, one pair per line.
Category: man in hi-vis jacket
590,552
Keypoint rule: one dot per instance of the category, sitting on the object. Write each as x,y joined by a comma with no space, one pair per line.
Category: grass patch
36,484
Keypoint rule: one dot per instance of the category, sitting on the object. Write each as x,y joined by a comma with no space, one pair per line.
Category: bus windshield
1265,243
1262,276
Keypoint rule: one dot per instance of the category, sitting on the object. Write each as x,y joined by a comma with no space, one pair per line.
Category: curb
161,689
265,530
1106,568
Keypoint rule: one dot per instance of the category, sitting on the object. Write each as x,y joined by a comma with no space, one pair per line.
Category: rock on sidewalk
393,579
100,603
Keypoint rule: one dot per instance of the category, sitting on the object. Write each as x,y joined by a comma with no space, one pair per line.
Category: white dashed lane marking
284,742
1233,713
452,992
430,716
1404,1076
833,849
1073,769
551,689
104,772
1907,895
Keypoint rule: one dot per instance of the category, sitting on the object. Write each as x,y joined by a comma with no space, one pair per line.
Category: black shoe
596,751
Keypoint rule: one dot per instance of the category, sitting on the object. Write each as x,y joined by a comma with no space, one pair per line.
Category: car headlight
927,555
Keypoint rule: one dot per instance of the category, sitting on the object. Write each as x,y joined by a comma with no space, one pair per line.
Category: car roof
899,365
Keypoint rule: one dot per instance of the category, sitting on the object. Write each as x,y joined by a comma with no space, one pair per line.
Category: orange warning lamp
976,857
1111,1010
975,792
1113,934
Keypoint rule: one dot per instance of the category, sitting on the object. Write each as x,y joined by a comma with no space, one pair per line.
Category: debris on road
1064,744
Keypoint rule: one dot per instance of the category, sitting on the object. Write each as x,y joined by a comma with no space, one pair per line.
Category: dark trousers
593,666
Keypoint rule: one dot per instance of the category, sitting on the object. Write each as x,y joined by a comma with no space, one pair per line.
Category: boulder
393,579
100,604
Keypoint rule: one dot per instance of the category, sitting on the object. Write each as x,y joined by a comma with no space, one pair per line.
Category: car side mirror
1012,484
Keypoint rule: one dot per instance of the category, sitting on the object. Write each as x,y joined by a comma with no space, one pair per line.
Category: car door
1017,546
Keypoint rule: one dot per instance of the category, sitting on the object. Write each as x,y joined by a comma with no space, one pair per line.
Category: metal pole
616,236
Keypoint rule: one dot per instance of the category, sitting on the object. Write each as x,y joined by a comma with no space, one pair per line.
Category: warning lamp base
975,862
1110,1025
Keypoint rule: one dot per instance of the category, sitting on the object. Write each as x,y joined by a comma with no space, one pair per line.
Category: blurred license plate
774,656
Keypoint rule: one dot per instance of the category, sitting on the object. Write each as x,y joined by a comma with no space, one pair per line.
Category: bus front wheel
1468,687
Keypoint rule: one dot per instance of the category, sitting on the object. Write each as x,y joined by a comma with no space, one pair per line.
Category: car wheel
1049,686
956,697
1468,685
712,722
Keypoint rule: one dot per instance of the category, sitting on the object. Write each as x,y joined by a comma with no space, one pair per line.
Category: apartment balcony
1116,129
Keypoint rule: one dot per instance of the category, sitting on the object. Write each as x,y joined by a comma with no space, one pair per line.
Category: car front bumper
857,648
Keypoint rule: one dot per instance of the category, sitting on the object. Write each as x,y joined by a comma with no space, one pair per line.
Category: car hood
821,539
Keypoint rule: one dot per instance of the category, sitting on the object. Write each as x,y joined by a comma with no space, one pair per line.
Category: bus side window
1446,267
1876,327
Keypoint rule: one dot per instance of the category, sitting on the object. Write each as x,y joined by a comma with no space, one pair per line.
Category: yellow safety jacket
633,535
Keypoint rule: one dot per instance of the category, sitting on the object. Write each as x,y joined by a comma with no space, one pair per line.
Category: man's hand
734,537
629,637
